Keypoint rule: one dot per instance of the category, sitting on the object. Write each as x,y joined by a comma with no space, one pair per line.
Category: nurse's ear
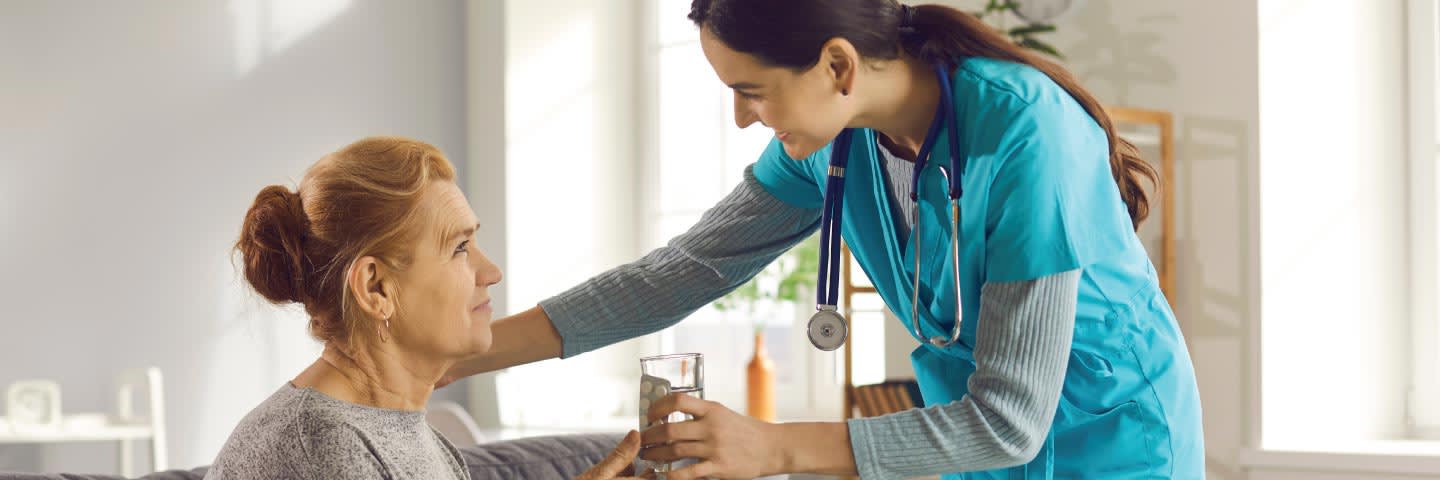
841,62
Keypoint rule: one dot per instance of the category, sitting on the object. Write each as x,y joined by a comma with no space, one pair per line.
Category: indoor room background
133,136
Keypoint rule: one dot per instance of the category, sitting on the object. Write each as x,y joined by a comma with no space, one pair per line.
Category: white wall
134,135
571,170
570,104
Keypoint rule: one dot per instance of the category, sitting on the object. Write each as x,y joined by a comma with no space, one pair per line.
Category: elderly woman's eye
464,247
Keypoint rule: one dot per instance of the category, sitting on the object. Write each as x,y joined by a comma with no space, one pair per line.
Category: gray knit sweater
302,433
1023,336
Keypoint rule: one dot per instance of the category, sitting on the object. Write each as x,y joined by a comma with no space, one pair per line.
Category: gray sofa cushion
557,457
540,458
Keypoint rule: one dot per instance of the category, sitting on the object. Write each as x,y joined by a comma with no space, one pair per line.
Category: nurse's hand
728,444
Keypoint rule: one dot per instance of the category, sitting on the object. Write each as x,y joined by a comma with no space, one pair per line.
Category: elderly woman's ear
373,288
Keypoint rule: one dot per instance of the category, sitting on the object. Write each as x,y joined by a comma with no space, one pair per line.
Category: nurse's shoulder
1002,105
1005,83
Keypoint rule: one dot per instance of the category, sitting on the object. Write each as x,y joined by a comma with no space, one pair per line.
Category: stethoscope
828,328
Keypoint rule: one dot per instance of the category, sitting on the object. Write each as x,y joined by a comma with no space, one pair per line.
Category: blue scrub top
1039,199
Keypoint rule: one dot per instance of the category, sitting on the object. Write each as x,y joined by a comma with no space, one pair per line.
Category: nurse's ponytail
944,34
791,33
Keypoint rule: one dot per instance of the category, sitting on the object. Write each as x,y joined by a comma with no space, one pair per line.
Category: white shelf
123,427
77,428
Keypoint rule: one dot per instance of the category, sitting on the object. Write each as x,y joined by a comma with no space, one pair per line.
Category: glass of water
662,375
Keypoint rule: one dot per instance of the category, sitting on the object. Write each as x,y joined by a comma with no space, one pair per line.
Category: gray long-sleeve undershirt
1022,346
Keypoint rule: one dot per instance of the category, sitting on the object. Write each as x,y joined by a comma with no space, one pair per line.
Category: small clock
33,404
1044,11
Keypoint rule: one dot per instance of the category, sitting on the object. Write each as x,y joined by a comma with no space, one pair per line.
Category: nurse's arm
1021,353
522,338
731,243
1022,349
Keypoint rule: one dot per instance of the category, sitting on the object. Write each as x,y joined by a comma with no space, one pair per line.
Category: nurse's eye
463,248
747,95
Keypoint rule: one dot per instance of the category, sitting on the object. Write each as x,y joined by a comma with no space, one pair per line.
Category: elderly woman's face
444,295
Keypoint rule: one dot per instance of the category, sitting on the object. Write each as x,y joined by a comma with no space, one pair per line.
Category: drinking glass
662,375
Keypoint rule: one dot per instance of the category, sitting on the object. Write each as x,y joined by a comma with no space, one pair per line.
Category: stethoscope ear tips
827,330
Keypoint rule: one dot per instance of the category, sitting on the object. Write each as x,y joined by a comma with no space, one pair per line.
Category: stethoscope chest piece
828,330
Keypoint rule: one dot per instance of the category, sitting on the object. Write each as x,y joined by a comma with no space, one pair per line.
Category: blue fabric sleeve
1053,205
796,182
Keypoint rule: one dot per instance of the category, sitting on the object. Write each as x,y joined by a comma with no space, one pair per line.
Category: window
869,336
1423,406
1336,262
698,157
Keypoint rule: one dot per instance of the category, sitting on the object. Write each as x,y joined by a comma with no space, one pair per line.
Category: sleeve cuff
562,312
862,447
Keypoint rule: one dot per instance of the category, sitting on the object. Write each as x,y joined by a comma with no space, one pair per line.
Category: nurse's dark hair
299,245
790,34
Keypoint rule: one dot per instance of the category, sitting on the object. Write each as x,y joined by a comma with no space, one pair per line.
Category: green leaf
794,273
1031,30
1033,44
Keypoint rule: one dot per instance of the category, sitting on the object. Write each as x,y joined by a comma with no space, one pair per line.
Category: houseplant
785,282
1023,35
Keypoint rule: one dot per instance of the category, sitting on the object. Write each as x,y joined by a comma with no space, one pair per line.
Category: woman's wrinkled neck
381,376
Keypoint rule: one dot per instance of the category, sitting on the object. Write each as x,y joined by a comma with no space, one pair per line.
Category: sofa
553,457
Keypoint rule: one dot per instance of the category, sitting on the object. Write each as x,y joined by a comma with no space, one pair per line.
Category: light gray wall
133,136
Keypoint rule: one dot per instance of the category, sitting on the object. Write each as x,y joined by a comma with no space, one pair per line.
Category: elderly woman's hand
619,464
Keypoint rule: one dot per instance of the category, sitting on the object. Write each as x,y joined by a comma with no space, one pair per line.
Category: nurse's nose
744,116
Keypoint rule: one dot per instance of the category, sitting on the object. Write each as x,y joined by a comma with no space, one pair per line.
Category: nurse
1047,349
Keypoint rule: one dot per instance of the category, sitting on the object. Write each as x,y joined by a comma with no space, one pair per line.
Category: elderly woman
378,245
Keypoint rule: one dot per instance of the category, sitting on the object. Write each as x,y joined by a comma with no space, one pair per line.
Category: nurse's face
806,109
